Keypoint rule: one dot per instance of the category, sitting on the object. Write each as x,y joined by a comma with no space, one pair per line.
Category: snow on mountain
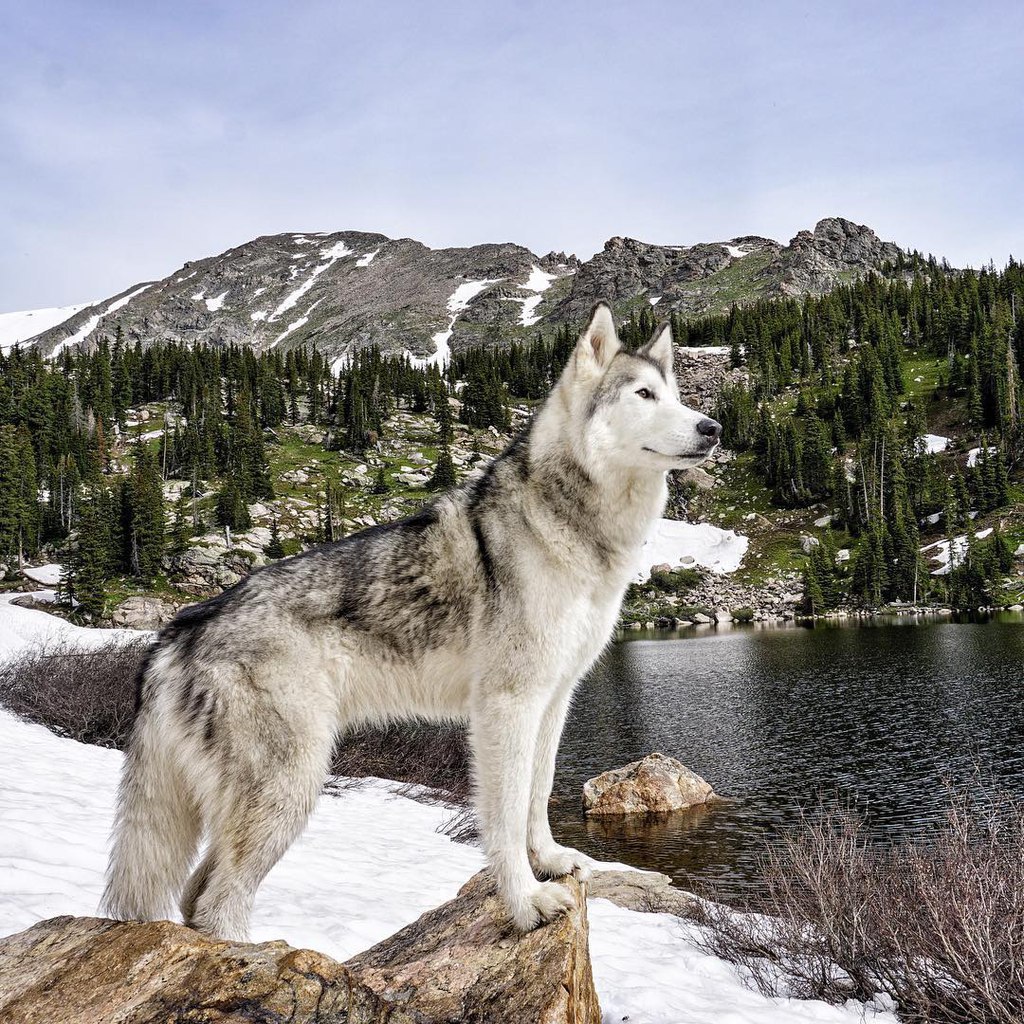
458,302
93,322
948,554
396,293
19,327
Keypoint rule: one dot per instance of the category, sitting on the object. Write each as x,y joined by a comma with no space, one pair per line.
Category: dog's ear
661,349
599,341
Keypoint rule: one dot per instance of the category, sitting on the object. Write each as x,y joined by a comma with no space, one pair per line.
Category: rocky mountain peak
344,290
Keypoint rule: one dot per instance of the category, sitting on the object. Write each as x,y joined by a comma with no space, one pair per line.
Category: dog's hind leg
503,729
266,805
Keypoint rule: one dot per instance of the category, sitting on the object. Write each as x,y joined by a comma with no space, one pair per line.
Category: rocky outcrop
460,962
654,785
836,250
143,613
211,565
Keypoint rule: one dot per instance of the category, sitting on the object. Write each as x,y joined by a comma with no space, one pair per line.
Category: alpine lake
882,717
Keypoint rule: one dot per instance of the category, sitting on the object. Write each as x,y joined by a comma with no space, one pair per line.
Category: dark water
879,715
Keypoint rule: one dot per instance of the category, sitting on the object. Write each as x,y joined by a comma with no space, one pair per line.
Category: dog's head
630,401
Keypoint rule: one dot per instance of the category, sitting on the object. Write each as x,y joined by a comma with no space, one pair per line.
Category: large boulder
463,962
143,613
654,785
460,962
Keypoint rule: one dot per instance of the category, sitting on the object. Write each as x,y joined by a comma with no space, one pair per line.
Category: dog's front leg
504,726
551,859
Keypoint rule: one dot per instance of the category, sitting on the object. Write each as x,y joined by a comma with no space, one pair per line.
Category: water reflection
881,715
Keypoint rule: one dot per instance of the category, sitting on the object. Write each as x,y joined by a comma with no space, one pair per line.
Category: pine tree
275,549
444,473
232,510
143,515
85,569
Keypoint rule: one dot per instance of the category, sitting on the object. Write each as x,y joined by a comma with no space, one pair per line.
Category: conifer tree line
850,440
853,438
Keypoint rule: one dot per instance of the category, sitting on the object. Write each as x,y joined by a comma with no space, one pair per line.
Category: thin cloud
136,138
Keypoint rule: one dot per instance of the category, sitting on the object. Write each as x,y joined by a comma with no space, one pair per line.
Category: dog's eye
645,393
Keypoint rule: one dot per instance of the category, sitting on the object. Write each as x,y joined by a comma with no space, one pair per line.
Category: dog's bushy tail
157,827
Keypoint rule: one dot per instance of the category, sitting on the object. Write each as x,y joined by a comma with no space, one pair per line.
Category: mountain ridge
347,290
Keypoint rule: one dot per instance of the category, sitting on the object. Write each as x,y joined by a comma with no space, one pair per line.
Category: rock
702,620
651,786
460,962
661,567
700,478
143,613
723,615
808,543
413,479
1019,553
91,971
206,567
647,891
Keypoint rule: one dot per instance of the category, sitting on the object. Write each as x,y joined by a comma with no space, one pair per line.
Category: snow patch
975,454
458,302
92,323
735,252
654,299
331,255
259,291
539,280
48,575
933,443
948,554
216,302
24,627
705,350
367,258
674,542
260,314
16,328
295,324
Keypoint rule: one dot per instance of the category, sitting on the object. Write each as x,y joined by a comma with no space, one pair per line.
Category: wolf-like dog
488,606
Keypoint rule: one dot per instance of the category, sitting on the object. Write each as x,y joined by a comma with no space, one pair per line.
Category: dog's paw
555,861
540,904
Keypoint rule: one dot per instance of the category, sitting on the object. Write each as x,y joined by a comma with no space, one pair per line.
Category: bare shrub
86,694
937,926
424,754
462,826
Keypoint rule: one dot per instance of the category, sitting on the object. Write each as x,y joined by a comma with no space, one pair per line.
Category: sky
134,137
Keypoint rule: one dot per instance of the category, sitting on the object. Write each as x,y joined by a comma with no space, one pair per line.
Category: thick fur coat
489,605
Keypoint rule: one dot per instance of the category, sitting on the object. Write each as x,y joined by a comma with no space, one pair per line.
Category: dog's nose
710,428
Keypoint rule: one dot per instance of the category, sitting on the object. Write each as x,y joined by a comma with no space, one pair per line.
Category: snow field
18,327
671,541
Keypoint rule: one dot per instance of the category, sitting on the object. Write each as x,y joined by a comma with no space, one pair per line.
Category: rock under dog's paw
555,861
539,905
